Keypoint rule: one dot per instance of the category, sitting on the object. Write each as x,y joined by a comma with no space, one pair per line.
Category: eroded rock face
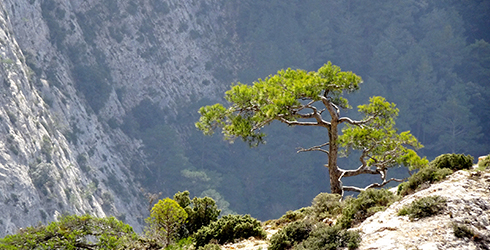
468,203
70,67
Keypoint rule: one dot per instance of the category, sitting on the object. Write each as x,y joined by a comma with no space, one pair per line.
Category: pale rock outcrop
468,203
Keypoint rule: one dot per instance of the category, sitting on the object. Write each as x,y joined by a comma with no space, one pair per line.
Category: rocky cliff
70,72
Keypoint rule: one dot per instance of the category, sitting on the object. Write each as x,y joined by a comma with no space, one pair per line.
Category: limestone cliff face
70,69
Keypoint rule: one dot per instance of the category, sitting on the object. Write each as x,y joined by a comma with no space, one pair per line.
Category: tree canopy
166,217
301,98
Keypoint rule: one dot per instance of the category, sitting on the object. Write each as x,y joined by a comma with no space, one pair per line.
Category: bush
366,204
210,247
330,238
228,229
428,175
424,207
462,231
454,162
326,205
485,163
291,216
73,232
182,244
291,235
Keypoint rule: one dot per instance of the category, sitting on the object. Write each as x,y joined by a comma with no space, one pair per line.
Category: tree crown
277,97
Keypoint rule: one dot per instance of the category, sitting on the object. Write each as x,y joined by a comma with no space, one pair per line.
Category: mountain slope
70,72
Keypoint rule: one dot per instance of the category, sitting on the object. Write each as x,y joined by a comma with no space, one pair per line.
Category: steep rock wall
70,70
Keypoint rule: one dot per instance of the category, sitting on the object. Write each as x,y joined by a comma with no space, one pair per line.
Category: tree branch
374,185
355,122
315,148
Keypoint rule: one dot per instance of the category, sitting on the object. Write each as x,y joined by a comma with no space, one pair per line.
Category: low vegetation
424,207
313,235
485,163
73,232
228,229
462,231
367,203
437,170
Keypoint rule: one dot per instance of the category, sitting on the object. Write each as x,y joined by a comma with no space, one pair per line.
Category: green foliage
485,163
182,244
73,232
367,203
275,98
381,127
228,229
201,212
291,235
424,207
165,219
436,171
462,231
308,235
210,247
454,162
326,205
330,238
291,216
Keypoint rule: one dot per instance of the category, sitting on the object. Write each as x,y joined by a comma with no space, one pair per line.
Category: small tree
165,220
201,212
300,98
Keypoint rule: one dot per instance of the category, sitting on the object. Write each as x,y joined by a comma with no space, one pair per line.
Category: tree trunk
333,170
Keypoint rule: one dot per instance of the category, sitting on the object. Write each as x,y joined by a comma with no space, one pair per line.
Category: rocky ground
468,203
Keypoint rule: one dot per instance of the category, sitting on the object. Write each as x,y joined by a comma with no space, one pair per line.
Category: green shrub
428,175
291,235
454,162
330,238
182,244
73,232
210,247
424,207
485,163
462,231
366,204
326,205
228,229
291,216
437,170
